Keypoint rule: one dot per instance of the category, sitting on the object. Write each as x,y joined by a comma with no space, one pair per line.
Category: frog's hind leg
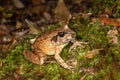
32,57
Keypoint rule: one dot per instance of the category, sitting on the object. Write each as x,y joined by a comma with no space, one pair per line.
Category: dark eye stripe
54,39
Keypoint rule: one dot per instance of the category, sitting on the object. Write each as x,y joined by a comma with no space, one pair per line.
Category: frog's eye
61,34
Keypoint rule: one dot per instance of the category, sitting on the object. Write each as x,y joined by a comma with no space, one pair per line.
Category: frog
52,43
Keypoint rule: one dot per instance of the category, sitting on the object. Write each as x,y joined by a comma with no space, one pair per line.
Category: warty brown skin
51,43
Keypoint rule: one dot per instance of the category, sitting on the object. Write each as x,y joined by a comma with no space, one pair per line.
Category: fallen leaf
61,12
32,26
5,39
109,21
110,9
91,70
6,46
38,7
47,16
83,77
32,40
113,35
19,72
91,53
3,33
18,24
86,15
1,63
19,34
76,1
5,36
18,3
36,2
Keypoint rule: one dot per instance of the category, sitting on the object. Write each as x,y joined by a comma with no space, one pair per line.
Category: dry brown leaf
3,33
37,7
5,36
19,72
36,2
1,63
86,15
109,21
47,16
109,10
5,39
76,1
18,24
18,4
91,53
83,77
113,35
61,12
6,46
91,70
32,26
4,28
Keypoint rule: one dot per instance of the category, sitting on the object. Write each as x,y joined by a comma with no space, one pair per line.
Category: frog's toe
76,44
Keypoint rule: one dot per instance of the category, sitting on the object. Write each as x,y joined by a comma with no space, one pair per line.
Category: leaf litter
20,19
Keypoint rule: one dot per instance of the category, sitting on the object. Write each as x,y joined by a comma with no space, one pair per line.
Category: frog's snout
73,35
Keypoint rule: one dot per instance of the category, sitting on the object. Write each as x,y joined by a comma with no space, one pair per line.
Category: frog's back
43,42
48,41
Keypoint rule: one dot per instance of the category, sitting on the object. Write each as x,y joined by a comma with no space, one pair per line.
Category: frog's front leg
76,44
33,57
59,59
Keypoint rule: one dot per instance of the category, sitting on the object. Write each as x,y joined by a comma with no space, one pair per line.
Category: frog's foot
72,62
69,67
76,44
62,62
32,57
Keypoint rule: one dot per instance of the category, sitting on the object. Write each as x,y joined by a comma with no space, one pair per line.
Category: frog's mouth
69,38
65,41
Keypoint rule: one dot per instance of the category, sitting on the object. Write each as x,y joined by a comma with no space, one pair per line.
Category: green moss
105,62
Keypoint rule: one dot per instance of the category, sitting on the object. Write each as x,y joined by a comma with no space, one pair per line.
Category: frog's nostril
73,35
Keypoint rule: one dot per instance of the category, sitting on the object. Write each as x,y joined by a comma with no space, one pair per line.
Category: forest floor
96,22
